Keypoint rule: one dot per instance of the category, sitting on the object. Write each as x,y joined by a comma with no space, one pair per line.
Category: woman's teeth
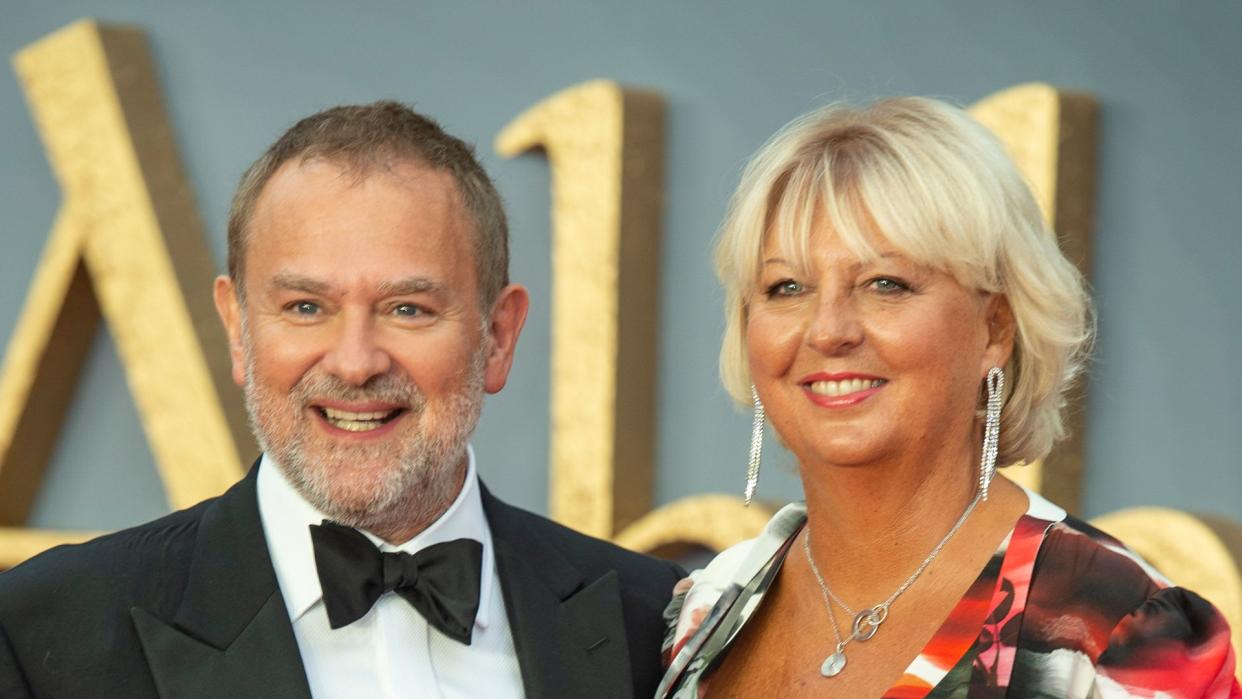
843,388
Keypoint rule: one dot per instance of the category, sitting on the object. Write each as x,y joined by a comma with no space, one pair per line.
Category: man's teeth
357,422
843,388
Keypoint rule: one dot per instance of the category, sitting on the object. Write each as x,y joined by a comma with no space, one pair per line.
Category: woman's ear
1002,328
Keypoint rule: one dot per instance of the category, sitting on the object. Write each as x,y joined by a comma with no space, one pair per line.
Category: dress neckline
998,596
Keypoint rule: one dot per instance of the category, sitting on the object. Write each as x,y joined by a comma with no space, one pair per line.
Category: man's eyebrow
410,285
287,281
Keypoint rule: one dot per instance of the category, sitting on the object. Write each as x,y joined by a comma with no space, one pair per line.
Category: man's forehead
311,186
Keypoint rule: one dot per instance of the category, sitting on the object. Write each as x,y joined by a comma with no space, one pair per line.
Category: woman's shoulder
1073,563
1094,602
744,559
734,568
1080,566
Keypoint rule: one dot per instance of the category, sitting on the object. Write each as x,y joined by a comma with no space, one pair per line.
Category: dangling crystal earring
991,429
756,447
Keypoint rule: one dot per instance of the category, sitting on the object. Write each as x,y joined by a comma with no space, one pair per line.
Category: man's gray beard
425,478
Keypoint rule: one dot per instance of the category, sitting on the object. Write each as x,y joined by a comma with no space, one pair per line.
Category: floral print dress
1071,612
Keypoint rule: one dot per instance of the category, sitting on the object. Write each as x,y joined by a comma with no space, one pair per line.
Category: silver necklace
867,621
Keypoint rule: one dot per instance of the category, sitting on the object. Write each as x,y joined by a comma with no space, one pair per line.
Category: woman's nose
836,327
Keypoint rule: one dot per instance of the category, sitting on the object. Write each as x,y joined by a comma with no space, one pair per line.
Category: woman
901,314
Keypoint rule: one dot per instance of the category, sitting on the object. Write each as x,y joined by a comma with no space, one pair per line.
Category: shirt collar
287,516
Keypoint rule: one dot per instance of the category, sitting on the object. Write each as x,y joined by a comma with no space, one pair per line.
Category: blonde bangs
872,190
809,198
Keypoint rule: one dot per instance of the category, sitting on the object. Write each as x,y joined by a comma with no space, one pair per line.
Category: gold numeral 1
605,146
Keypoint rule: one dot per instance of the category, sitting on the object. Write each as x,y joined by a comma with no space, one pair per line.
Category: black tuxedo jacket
188,606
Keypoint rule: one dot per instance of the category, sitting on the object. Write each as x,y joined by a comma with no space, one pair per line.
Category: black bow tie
440,581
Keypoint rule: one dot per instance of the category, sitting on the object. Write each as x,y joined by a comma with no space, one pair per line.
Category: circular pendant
833,665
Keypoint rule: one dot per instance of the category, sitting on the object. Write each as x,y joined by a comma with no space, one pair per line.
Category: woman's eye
785,287
888,285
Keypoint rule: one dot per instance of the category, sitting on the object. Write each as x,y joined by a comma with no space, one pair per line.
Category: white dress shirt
392,651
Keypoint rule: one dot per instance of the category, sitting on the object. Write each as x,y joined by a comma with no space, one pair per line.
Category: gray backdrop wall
1165,415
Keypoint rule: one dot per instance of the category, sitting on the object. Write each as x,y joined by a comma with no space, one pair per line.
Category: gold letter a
126,243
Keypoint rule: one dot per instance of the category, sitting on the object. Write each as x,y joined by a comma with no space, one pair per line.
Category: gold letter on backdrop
126,242
605,145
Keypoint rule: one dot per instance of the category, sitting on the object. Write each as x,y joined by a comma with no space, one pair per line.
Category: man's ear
507,318
229,308
1002,328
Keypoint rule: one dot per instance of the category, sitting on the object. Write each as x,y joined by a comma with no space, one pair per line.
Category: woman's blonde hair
937,186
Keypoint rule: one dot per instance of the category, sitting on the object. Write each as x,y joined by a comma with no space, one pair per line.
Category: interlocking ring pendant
868,621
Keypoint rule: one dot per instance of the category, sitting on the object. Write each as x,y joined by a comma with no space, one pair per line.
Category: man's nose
355,356
836,327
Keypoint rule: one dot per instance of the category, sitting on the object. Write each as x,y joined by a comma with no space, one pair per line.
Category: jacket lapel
569,631
231,635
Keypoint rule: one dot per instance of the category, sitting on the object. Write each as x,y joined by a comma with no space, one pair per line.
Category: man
368,310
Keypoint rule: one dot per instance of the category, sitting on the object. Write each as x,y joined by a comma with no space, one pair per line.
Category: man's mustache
384,388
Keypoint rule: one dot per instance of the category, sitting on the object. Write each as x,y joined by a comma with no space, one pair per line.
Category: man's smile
363,419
